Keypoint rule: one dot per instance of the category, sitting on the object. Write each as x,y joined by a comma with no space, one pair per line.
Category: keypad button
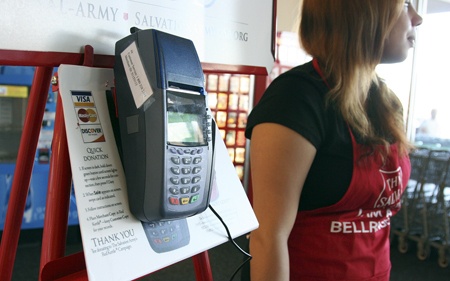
196,170
174,201
175,180
195,188
175,170
174,190
196,179
184,190
197,160
194,198
184,200
185,180
186,170
175,160
187,160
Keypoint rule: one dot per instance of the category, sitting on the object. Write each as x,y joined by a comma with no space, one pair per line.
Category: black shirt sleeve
295,99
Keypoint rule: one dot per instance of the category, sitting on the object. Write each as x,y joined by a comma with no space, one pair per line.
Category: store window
432,98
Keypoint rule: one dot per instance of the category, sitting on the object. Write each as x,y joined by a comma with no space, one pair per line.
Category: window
421,82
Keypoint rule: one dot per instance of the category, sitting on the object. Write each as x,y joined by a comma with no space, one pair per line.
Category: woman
328,150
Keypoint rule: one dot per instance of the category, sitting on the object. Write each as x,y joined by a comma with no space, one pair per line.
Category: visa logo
83,99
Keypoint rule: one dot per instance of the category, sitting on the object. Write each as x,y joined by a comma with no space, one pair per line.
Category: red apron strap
319,71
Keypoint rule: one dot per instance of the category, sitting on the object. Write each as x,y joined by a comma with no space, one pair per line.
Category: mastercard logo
87,115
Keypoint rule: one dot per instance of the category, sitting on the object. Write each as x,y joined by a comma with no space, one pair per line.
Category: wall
287,15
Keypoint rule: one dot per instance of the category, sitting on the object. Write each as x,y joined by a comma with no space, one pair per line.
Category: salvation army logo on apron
391,193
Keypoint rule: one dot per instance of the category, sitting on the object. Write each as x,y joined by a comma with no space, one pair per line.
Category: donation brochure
117,246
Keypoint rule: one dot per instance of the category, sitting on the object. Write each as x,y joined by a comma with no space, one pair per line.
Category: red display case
229,97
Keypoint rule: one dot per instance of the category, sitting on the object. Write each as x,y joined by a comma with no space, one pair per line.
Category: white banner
236,32
116,245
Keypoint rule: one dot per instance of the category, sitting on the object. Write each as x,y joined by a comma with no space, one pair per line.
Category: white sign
116,245
235,32
136,76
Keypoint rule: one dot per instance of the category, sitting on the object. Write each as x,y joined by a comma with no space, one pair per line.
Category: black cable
249,257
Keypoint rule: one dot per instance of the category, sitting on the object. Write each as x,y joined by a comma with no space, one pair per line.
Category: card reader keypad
187,174
166,236
164,232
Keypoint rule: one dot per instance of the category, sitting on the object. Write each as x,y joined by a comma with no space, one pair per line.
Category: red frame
53,264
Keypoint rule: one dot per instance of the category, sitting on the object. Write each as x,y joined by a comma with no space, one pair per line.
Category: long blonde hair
347,37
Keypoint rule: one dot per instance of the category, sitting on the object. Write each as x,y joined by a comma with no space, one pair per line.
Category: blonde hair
347,37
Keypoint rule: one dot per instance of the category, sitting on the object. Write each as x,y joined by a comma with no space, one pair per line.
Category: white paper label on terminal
137,79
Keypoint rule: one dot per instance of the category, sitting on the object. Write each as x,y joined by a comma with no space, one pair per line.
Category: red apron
350,239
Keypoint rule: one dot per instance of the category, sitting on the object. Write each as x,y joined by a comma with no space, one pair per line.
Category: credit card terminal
166,129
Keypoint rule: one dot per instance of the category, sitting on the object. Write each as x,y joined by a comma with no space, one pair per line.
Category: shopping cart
401,222
438,214
422,207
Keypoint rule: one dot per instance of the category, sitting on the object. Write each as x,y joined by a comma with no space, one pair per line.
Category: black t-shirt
296,99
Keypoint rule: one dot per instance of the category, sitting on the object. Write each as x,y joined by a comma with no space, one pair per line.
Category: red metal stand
24,167
58,194
53,264
202,266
